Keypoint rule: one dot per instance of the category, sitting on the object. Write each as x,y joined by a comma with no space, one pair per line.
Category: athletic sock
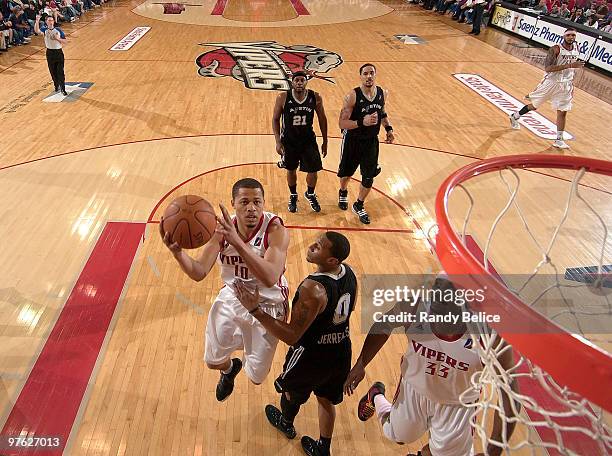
382,406
293,189
229,369
524,110
560,135
310,190
359,202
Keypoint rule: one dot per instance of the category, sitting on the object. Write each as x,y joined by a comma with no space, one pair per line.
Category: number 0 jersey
233,266
330,329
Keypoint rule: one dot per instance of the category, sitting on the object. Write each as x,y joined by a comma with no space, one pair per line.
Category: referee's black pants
55,60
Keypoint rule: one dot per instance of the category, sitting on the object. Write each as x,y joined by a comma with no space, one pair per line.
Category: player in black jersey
360,119
319,356
296,142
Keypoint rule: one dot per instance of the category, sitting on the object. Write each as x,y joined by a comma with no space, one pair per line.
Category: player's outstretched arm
320,110
276,117
196,269
312,300
386,122
377,337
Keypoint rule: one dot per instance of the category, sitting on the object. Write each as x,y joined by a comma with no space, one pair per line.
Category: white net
546,417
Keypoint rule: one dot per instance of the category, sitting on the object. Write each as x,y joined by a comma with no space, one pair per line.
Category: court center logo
266,65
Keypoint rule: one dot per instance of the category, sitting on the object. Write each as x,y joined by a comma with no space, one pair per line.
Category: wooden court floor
150,128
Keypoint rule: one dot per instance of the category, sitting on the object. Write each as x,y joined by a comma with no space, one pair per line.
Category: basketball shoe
313,447
275,417
312,199
366,409
226,382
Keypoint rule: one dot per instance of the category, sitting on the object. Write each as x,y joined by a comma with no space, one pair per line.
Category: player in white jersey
557,85
251,247
436,370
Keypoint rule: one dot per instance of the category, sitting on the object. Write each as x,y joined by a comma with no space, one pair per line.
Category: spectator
541,8
592,22
5,34
479,7
578,17
21,26
601,10
564,12
5,9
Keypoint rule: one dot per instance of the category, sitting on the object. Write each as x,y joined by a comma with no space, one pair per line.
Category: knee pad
367,182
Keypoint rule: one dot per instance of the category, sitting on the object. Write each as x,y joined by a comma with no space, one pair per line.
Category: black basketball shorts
302,153
358,152
310,370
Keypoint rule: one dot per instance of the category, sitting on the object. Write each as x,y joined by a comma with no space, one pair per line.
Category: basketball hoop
571,369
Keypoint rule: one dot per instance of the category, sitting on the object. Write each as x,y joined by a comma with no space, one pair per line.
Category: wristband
252,312
388,128
360,122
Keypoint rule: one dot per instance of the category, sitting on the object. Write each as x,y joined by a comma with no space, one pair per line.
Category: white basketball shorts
412,415
230,327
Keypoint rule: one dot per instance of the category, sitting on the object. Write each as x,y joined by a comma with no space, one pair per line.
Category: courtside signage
513,21
533,121
130,39
602,55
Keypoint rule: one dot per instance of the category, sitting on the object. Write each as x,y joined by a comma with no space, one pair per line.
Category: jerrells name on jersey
430,353
230,259
334,338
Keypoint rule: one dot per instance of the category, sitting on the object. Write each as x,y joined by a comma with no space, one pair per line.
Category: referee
54,39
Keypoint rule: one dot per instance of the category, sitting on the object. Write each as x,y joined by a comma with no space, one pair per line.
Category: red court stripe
299,8
52,394
576,441
219,8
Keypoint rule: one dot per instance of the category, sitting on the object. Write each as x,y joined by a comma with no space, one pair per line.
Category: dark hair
340,245
247,182
570,29
299,73
366,65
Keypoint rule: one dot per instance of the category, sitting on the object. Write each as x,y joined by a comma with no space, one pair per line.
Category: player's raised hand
226,228
355,376
249,299
172,246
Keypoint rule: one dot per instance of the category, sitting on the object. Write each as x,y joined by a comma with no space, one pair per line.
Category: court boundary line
406,212
206,135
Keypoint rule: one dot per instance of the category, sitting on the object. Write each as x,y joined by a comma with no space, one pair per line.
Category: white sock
516,115
560,135
229,369
382,406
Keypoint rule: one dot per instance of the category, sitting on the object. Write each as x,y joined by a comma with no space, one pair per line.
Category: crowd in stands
17,17
592,13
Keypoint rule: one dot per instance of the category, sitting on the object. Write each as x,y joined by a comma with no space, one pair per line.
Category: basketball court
102,335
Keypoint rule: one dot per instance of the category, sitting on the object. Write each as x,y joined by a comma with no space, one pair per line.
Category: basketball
190,220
